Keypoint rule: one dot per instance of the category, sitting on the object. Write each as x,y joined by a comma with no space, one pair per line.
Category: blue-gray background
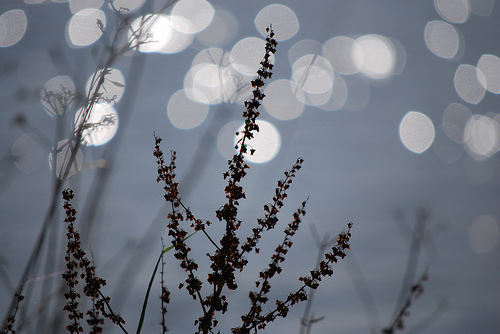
356,169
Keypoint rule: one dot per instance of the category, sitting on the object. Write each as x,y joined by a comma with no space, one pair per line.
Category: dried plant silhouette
78,265
421,238
9,326
65,154
416,290
228,255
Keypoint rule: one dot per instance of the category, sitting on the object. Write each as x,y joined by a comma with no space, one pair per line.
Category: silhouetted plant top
228,254
78,265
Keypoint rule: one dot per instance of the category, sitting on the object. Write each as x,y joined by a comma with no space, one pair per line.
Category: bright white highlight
247,54
57,95
285,22
482,136
85,27
150,33
454,11
184,113
112,88
280,102
192,16
374,56
64,160
442,39
100,126
13,25
469,83
489,66
416,132
266,142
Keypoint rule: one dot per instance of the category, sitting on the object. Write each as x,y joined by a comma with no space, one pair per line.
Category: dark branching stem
337,251
255,321
163,170
11,319
415,291
73,257
165,294
228,259
228,256
178,234
270,218
76,261
253,318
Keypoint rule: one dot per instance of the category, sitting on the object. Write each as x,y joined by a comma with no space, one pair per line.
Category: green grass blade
145,304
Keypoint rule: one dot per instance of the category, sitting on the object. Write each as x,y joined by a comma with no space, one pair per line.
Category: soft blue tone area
356,169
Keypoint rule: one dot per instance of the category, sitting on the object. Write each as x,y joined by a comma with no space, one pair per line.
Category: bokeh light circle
496,119
213,76
374,56
455,118
150,33
27,152
225,139
313,74
184,113
127,6
61,159
100,126
221,30
266,142
446,149
285,22
112,88
338,51
482,7
338,96
197,91
469,83
442,39
213,56
311,99
482,136
13,25
280,102
192,16
454,11
209,83
57,95
416,132
484,234
177,42
85,27
489,66
312,77
247,54
303,48
400,56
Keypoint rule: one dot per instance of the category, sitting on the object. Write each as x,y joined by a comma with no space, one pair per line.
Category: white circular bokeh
266,142
416,132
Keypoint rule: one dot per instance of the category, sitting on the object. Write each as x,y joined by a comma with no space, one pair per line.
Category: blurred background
393,105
